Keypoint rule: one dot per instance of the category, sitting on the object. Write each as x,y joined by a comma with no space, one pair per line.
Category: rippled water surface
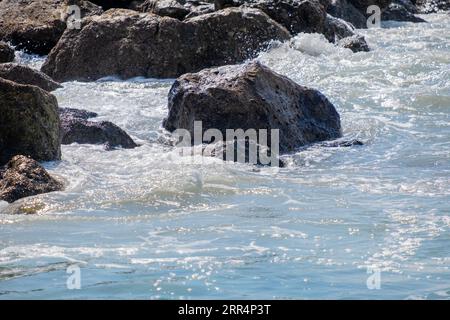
147,223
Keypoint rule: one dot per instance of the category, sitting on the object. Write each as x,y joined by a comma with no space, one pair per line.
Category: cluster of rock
32,128
202,42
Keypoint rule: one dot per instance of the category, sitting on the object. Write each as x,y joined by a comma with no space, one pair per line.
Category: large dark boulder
6,53
29,122
37,25
129,44
23,177
251,96
76,128
25,75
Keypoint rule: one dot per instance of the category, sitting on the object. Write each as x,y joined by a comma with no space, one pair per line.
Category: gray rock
25,75
23,177
337,29
129,44
355,43
29,123
251,96
66,113
6,53
76,128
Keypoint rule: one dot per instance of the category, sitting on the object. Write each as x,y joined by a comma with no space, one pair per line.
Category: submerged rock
76,128
355,43
129,44
6,53
23,177
36,26
65,113
25,75
29,123
251,96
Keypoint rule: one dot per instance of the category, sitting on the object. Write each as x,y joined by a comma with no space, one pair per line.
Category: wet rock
397,12
77,129
23,177
344,10
343,34
342,143
6,53
129,44
167,8
337,29
65,113
295,15
251,96
29,123
36,26
25,75
197,8
408,4
355,43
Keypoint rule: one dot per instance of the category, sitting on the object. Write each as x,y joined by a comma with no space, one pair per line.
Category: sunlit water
147,223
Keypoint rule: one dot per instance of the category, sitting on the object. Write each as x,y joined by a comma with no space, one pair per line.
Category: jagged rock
129,44
25,75
23,177
29,123
36,26
251,96
6,53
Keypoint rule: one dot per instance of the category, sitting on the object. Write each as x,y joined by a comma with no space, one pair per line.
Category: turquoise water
147,223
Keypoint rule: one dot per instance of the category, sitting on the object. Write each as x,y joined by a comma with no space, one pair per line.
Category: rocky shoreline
207,45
